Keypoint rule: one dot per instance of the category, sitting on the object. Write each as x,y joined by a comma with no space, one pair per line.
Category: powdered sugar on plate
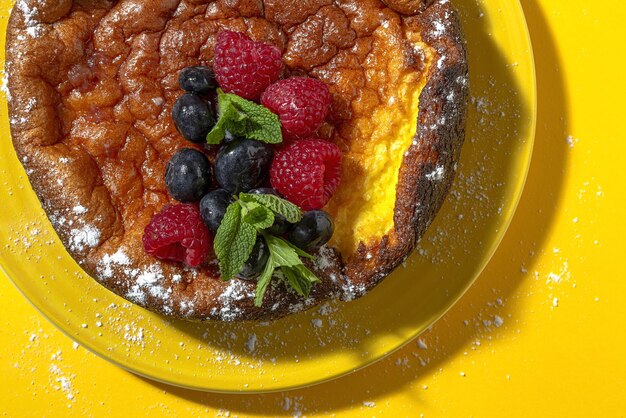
4,85
571,141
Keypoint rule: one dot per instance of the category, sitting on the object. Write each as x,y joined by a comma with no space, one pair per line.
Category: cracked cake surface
92,84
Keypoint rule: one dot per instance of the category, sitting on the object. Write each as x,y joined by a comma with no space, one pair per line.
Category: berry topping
242,165
188,175
213,208
307,172
193,117
257,260
243,66
313,231
178,233
301,103
199,80
281,225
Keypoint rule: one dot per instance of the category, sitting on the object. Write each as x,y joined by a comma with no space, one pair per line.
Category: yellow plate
337,338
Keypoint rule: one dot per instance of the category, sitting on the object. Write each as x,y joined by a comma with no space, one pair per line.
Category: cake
92,85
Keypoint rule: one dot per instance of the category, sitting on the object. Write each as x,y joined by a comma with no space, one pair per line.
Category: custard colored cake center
363,207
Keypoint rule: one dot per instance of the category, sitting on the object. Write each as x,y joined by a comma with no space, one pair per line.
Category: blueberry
313,231
281,225
242,165
188,175
213,207
257,260
199,80
193,117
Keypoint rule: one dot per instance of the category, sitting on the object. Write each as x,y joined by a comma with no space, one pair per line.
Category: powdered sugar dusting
325,258
148,282
437,174
439,28
33,28
60,380
105,266
79,210
250,345
236,291
571,141
351,291
81,238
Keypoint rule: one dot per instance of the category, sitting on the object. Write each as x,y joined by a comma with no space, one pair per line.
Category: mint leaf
258,216
299,251
262,124
264,281
282,253
233,242
306,274
302,287
244,118
292,278
228,115
278,205
300,278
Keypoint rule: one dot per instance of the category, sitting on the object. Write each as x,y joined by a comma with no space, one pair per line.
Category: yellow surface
556,286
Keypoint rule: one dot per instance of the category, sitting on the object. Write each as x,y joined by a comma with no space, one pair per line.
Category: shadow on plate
478,175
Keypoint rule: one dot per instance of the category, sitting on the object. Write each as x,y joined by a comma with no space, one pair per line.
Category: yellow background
556,286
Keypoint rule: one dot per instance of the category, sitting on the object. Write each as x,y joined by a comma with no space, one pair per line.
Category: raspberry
243,66
178,233
301,103
307,172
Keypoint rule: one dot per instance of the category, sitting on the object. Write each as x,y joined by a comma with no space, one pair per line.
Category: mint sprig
244,118
233,242
246,218
283,256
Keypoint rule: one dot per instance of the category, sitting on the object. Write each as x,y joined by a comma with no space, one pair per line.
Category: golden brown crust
89,109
